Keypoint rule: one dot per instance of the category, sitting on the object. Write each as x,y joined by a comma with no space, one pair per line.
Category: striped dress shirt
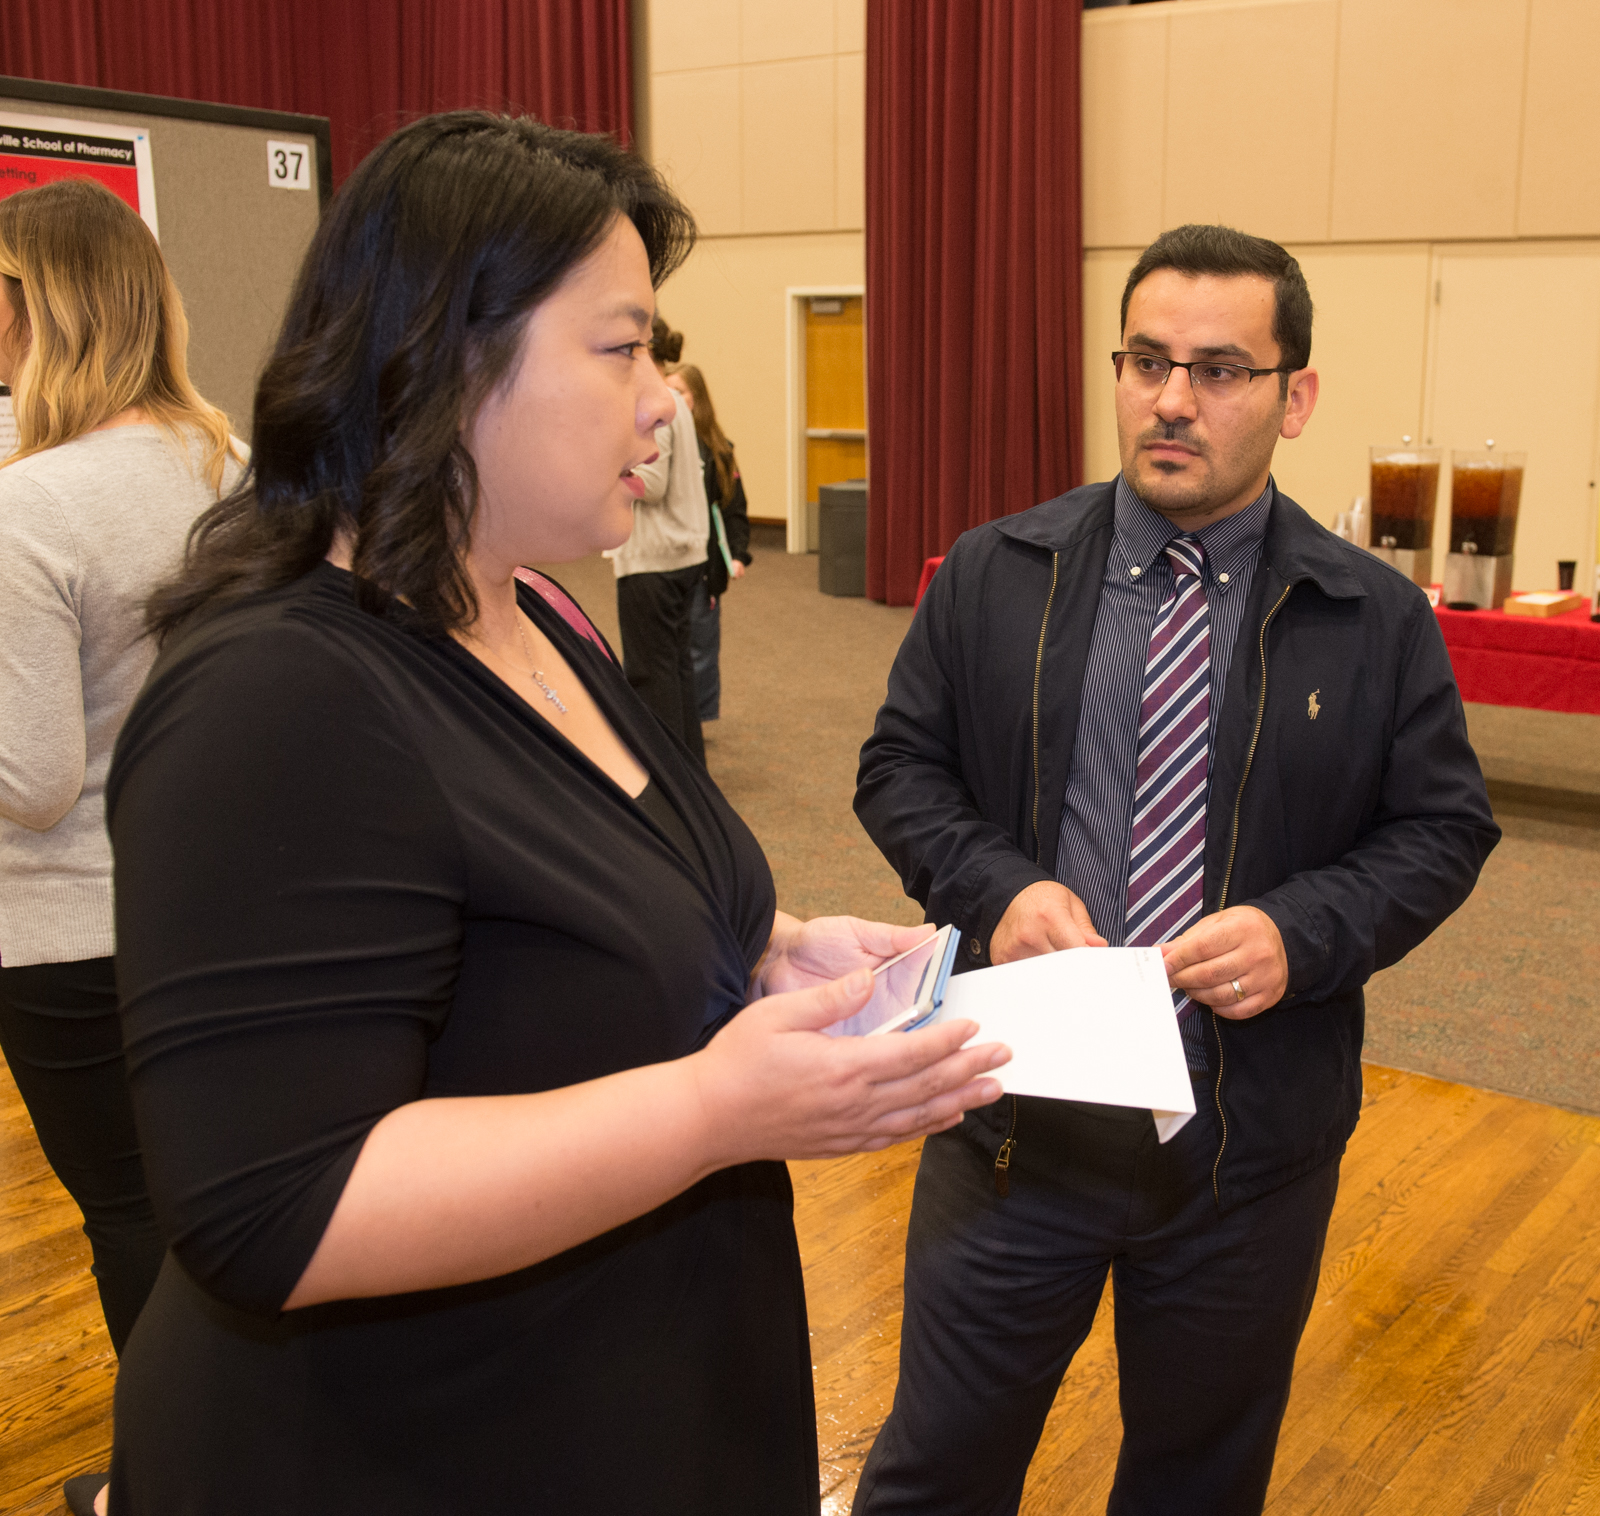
1097,816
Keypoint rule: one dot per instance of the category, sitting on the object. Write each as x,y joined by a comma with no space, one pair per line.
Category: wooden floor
56,1363
1452,1363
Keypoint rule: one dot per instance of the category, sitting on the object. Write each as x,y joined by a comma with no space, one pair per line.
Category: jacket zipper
1227,874
1002,1159
1038,668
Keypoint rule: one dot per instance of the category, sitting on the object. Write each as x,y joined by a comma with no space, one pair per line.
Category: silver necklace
538,674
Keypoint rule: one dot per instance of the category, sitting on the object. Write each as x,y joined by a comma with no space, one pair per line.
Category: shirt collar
1142,534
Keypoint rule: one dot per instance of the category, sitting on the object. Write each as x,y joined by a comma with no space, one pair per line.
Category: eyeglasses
1223,380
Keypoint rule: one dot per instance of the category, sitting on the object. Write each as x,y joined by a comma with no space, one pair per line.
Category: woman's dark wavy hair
406,314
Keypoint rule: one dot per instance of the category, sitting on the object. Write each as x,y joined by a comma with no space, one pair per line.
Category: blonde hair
102,320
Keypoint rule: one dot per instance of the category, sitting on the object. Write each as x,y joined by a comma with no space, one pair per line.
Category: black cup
1566,571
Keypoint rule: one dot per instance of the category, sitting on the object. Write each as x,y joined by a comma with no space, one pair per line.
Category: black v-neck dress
354,870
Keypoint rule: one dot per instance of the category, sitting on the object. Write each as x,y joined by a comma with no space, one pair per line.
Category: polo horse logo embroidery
1313,710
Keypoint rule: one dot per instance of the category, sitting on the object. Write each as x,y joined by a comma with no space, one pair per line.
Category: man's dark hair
408,311
1221,250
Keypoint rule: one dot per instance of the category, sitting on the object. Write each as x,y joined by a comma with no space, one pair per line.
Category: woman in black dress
461,1029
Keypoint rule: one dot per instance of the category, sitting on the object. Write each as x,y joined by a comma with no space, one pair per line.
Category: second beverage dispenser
1485,491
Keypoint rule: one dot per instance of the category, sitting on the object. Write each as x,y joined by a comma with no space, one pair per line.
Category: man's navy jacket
1345,800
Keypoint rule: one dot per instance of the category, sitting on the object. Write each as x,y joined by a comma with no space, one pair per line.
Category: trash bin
842,538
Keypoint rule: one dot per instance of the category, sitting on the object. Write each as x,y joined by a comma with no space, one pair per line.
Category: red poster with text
31,156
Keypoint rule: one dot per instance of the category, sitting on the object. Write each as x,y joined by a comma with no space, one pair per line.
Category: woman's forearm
452,1190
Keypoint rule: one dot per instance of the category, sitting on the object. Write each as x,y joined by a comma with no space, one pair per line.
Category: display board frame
233,240
128,102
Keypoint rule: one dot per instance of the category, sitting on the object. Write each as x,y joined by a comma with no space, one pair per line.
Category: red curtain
367,65
974,271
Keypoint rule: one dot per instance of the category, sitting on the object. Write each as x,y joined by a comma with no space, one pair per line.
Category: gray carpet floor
1503,996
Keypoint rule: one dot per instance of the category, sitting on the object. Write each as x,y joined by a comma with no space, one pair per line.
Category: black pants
654,611
61,1038
1000,1293
705,647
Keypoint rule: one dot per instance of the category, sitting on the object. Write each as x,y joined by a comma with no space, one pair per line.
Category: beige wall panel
1264,162
729,301
775,29
1428,117
850,143
1369,346
1491,377
850,26
1104,273
693,34
789,126
1560,190
695,137
1124,74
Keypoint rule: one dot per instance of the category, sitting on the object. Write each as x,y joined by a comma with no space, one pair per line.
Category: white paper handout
1092,1024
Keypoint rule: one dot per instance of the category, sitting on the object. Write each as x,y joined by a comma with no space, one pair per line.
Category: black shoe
81,1491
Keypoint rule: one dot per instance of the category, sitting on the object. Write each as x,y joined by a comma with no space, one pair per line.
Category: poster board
38,150
233,196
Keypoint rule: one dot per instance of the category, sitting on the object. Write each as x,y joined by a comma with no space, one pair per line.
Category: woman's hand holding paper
773,1086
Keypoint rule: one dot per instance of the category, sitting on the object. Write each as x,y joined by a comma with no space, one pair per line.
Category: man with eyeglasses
1170,709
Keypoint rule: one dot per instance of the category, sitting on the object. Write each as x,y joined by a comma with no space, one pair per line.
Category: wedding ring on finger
1238,991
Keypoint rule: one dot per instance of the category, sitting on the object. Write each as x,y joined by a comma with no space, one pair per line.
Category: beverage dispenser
1485,491
1405,487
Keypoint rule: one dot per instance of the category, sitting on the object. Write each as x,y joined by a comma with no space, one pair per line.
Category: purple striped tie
1166,868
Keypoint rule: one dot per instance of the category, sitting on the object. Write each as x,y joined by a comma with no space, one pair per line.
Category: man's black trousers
653,611
1001,1292
63,1042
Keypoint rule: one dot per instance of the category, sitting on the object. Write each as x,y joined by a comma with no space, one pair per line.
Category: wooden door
836,397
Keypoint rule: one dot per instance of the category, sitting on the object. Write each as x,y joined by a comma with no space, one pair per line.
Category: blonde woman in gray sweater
117,455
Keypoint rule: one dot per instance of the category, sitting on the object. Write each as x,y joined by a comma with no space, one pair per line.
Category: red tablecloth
1546,663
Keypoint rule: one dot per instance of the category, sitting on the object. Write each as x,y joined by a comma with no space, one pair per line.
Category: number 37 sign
289,165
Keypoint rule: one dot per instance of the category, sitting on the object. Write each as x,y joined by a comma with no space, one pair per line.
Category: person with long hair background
117,455
727,548
462,1026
